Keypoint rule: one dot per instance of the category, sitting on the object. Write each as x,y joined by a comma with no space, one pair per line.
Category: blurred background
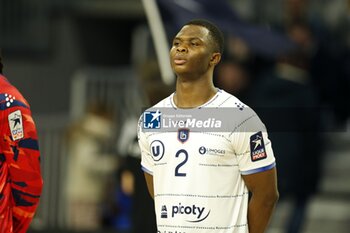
89,67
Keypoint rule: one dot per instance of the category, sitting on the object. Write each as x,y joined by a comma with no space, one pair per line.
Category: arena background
64,55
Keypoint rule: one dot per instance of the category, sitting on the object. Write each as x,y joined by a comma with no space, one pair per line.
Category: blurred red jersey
20,176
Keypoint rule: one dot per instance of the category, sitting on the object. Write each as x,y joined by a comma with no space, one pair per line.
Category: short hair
214,31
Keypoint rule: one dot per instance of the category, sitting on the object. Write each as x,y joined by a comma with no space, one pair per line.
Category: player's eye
194,43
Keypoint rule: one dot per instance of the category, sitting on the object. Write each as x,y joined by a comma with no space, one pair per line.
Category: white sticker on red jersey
16,125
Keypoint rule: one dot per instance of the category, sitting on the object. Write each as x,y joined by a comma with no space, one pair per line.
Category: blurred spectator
238,49
132,200
129,205
91,164
133,182
288,104
328,57
117,213
232,77
150,80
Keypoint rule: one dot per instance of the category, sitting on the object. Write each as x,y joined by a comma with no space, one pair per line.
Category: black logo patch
257,147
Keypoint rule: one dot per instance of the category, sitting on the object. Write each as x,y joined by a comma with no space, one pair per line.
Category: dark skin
193,48
193,58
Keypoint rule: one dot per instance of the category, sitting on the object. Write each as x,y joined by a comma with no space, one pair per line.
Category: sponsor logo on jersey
152,119
202,150
193,213
211,151
16,125
157,150
257,147
183,135
164,212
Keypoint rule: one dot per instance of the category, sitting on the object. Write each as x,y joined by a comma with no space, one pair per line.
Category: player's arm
149,182
23,158
146,158
263,187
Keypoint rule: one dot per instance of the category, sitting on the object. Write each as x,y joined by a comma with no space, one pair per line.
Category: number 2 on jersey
177,172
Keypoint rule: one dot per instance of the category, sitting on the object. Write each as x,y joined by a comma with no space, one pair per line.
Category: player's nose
181,49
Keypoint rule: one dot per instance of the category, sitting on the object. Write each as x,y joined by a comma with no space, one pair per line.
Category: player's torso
202,181
186,157
9,96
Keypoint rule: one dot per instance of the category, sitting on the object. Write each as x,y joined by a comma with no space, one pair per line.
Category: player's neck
193,93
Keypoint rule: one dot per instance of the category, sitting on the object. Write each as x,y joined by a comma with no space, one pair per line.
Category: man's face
191,51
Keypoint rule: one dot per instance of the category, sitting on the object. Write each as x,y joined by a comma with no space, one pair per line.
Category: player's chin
180,69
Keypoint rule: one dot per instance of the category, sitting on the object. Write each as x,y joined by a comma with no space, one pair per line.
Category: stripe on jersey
260,169
15,103
29,143
146,170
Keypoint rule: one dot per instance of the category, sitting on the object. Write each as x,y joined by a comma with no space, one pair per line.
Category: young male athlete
20,177
200,181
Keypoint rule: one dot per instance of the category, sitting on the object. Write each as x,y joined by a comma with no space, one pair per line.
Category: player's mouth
179,61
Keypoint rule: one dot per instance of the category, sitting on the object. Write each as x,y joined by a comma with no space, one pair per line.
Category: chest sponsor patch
183,134
16,125
257,147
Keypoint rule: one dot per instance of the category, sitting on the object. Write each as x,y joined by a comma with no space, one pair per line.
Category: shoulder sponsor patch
257,147
16,125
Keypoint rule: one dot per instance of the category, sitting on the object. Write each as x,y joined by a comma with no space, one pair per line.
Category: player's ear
215,59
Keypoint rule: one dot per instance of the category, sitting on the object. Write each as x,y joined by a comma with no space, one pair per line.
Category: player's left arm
263,187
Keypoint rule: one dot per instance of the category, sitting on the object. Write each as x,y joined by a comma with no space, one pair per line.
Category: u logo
157,150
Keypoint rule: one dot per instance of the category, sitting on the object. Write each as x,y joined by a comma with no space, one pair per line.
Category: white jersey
198,185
